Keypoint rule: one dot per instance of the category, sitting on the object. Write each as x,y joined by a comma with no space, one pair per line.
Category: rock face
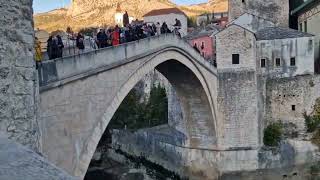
85,13
18,162
18,80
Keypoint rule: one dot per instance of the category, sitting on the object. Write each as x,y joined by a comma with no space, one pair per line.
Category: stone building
278,51
253,52
203,39
309,21
118,16
283,52
274,10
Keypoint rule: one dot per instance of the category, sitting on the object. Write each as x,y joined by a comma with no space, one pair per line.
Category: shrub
272,134
311,122
315,169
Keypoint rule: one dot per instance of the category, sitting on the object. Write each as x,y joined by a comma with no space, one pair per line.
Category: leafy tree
133,115
192,21
272,134
208,18
311,122
157,106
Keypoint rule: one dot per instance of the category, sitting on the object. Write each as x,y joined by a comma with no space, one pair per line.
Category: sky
47,5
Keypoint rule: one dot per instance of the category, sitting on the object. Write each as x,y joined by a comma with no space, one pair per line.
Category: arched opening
190,119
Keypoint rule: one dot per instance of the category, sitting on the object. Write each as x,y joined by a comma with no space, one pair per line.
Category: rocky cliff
85,13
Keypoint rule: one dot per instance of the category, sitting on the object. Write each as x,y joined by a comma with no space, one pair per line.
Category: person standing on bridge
116,36
164,28
80,43
60,46
100,38
52,47
38,56
158,29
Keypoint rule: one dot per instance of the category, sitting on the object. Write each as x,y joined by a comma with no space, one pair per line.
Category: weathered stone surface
19,163
273,10
18,84
283,93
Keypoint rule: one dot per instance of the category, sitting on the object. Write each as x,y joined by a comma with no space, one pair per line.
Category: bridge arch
194,83
164,63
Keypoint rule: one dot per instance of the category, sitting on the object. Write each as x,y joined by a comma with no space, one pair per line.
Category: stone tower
118,16
276,11
18,77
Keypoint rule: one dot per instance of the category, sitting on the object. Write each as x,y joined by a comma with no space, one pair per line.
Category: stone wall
273,10
237,88
18,162
18,80
282,94
252,23
166,150
237,104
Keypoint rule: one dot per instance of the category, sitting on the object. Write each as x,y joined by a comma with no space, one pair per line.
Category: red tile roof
157,12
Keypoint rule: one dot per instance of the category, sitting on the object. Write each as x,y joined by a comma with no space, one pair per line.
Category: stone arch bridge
80,94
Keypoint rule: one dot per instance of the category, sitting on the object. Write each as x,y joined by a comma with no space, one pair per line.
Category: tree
157,107
208,19
133,114
192,21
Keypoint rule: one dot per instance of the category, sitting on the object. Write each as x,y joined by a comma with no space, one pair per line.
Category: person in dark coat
80,42
100,38
52,47
125,19
195,47
49,42
60,46
164,28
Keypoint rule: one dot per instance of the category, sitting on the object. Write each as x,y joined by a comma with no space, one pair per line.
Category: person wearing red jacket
116,36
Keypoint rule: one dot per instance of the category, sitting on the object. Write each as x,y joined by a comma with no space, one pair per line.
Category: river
116,165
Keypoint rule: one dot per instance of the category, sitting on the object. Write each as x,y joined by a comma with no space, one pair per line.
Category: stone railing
54,71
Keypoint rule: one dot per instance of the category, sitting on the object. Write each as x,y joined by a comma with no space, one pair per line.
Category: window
263,63
292,61
243,1
278,62
293,107
202,45
305,26
300,27
235,59
310,44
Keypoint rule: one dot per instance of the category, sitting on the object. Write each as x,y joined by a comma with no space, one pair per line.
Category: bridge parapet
53,73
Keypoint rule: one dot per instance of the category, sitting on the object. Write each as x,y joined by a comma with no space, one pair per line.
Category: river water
115,165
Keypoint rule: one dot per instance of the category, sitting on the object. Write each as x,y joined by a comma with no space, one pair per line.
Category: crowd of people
131,32
106,37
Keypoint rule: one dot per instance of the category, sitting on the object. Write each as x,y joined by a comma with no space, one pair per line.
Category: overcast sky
47,5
